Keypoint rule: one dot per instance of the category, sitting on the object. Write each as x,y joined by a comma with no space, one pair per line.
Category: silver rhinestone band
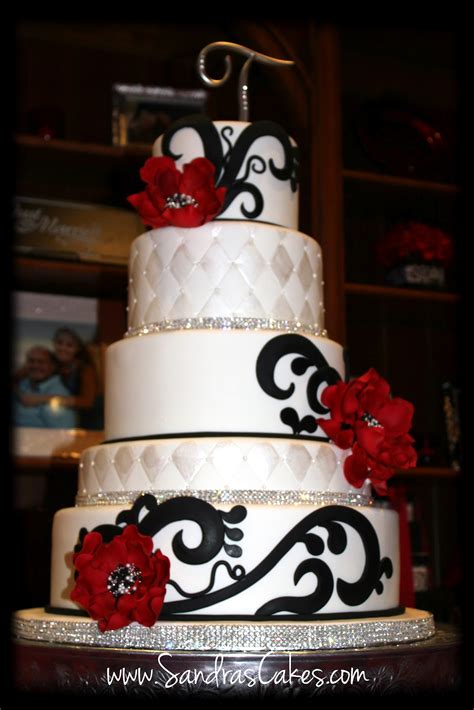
413,625
243,497
228,323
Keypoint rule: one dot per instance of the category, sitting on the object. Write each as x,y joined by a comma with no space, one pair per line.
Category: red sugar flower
120,581
365,417
183,199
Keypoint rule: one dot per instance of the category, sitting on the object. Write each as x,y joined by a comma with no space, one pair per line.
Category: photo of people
56,379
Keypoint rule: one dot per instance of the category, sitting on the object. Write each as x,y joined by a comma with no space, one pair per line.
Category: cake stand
67,654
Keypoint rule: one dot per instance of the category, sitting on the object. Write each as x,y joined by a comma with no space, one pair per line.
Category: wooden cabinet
398,89
347,199
65,74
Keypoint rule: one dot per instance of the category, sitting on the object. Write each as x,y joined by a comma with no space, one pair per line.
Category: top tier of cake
256,162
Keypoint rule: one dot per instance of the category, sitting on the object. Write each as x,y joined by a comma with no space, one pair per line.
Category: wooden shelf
429,472
71,277
400,292
92,173
43,463
398,181
93,149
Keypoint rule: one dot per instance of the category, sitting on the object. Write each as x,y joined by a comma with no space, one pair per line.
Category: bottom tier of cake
272,560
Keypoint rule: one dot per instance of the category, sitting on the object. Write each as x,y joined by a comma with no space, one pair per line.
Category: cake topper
251,55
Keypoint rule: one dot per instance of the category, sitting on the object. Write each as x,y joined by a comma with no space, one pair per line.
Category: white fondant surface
202,381
263,528
223,463
225,269
280,203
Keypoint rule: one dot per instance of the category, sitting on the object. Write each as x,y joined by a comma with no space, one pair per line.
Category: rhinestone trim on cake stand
230,636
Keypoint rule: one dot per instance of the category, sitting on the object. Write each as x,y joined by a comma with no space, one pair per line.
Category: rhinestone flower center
180,199
124,579
370,420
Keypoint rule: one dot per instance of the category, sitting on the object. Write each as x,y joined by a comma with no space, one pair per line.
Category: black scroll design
228,164
309,356
150,517
233,572
350,593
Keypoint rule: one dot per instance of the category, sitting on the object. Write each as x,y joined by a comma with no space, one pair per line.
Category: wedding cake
231,503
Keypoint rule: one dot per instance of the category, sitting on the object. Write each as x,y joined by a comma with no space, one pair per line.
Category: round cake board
229,636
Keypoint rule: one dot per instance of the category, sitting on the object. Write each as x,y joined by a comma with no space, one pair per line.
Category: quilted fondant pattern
225,269
203,464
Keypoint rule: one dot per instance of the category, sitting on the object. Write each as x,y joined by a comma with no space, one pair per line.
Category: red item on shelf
414,243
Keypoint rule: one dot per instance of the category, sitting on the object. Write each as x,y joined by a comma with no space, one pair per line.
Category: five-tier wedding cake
230,506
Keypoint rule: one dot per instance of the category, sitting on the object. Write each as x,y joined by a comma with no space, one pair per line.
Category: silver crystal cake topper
251,55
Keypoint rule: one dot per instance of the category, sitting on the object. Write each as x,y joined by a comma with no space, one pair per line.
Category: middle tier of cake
227,381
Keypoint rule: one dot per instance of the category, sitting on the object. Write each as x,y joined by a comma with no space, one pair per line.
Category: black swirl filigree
310,356
150,517
234,573
207,133
229,163
350,593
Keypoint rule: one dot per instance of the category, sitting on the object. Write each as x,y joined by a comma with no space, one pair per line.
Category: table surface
422,667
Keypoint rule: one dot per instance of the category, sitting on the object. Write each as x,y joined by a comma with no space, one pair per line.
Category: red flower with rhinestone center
367,419
120,581
184,199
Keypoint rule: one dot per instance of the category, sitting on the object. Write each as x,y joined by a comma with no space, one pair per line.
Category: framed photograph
142,113
57,375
